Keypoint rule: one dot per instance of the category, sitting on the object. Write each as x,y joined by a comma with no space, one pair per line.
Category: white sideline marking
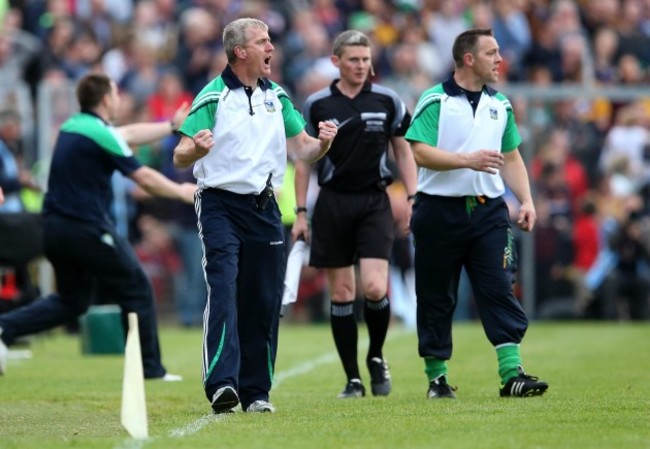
197,425
305,367
131,443
298,370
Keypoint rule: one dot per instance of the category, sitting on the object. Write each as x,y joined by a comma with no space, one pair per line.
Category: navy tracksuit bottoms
93,264
474,232
245,261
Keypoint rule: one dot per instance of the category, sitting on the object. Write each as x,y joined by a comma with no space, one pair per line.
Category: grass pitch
599,395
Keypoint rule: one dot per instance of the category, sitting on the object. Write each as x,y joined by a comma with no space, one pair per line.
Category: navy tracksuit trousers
93,265
245,261
452,232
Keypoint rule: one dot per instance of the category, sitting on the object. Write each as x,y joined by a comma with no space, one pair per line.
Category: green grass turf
599,396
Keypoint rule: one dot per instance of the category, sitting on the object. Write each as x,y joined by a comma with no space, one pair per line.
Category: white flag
134,404
297,258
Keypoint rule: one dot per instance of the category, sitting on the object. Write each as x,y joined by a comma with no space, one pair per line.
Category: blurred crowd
589,156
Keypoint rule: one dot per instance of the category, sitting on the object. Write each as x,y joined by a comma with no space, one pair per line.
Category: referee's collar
367,85
233,82
452,89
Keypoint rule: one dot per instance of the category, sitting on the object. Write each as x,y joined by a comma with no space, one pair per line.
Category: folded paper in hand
297,258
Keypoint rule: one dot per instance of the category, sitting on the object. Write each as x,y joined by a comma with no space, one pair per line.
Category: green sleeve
201,117
511,138
424,126
203,113
294,122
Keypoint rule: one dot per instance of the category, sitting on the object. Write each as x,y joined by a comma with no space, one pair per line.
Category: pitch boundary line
297,370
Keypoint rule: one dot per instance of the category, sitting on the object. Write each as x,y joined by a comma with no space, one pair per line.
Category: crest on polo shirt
269,105
493,113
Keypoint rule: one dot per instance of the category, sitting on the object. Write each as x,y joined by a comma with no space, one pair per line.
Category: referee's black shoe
353,389
523,386
379,377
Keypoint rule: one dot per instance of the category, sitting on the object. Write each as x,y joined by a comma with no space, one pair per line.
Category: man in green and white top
236,136
465,142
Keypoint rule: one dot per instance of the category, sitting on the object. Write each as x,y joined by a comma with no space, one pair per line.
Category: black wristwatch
299,209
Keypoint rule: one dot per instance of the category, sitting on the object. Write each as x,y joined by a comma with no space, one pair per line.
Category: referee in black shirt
352,220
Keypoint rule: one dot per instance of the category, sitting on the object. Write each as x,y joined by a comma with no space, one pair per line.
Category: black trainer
353,389
224,399
379,377
439,389
523,386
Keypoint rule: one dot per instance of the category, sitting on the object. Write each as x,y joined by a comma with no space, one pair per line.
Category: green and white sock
509,359
434,367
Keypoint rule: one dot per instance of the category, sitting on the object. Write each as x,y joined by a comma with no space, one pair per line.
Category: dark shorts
350,226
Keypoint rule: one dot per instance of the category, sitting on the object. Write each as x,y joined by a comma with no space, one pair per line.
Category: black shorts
349,226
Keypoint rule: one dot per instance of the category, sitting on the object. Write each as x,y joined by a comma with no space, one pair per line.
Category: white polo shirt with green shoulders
444,118
250,130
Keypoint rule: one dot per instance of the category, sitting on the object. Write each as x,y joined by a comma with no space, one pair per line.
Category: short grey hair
349,38
235,34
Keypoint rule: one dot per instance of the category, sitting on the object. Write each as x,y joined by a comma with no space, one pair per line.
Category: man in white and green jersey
236,136
465,142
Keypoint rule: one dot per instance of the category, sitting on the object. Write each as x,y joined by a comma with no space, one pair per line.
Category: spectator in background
56,46
119,58
329,16
18,49
625,146
313,50
442,26
577,129
15,182
83,54
555,151
605,44
406,77
96,15
512,31
625,291
545,49
143,75
14,176
155,24
630,71
586,247
632,39
198,43
553,244
159,259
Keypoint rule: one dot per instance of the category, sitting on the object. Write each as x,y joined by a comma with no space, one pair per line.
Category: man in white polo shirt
236,136
465,142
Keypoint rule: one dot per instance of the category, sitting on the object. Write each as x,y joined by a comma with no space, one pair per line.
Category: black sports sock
377,316
345,333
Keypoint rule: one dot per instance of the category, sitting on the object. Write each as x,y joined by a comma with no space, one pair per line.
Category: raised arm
191,149
145,132
156,184
309,148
